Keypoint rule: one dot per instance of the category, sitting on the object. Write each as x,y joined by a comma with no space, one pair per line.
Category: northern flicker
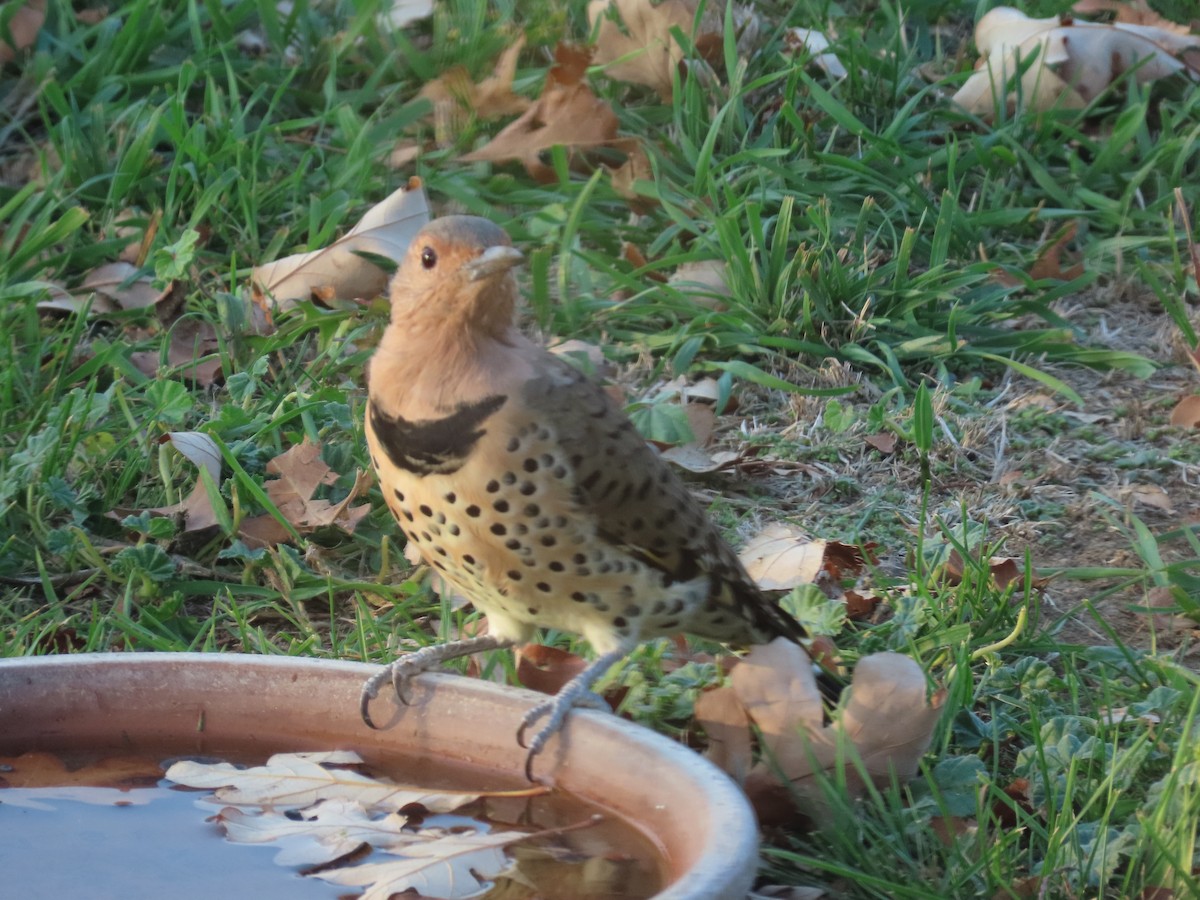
527,488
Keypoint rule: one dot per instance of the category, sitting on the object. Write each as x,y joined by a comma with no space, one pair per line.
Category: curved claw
399,677
556,708
364,701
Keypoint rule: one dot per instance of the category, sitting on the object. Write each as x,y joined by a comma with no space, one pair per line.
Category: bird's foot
576,692
401,672
554,711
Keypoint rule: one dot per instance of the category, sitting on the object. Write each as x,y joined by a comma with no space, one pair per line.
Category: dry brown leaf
781,557
196,508
403,153
626,176
721,715
706,282
1186,413
589,353
337,271
1049,260
193,351
645,51
883,441
776,687
62,301
24,26
887,722
694,458
566,114
301,472
121,283
455,97
1075,60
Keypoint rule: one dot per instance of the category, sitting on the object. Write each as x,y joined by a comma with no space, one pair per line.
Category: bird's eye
428,257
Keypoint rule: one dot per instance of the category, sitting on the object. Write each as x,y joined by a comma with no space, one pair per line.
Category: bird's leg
404,668
576,692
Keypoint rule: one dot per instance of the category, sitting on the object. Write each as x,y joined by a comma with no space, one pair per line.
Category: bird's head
457,274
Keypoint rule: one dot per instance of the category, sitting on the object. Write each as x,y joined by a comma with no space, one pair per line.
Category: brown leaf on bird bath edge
301,472
567,114
547,669
1186,413
338,271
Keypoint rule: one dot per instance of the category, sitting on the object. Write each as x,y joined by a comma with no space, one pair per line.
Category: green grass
864,223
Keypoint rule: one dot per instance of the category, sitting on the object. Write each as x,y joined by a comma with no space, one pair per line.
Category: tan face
457,264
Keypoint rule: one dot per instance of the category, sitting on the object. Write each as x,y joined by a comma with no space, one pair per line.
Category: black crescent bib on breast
433,446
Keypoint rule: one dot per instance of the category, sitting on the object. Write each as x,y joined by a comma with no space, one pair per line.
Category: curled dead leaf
809,40
338,271
1075,61
887,722
196,508
121,283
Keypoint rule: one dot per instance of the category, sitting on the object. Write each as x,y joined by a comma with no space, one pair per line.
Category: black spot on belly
440,445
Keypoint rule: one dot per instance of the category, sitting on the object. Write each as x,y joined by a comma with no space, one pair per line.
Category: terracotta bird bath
221,704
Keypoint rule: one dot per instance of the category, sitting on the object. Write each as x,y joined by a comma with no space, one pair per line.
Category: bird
528,489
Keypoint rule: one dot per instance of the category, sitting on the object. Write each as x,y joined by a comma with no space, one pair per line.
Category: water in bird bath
112,826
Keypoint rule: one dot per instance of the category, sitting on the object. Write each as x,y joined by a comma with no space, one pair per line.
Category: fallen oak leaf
453,866
782,557
566,114
298,780
886,722
301,472
1186,413
642,49
319,834
454,95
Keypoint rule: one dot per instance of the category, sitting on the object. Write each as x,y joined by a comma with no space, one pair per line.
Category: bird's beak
492,261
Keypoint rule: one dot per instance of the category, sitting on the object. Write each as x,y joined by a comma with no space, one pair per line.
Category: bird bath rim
696,815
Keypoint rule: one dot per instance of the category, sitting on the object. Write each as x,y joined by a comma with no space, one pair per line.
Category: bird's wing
639,503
